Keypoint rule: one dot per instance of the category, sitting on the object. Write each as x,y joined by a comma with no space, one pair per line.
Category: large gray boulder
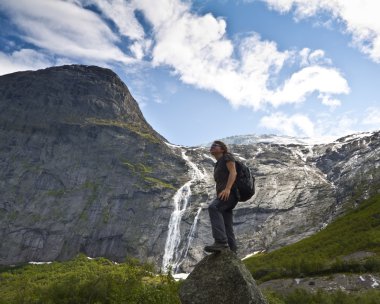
220,278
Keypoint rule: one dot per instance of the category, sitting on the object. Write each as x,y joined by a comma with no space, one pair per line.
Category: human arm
225,194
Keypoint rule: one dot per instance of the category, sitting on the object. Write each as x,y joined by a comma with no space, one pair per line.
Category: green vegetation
322,253
158,182
56,193
86,281
139,168
300,296
142,170
139,130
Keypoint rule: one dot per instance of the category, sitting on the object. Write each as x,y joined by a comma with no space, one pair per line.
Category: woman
220,210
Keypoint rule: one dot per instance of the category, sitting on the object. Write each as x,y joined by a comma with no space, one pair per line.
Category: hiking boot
216,247
234,250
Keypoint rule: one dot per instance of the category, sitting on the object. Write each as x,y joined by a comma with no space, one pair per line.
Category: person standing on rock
220,209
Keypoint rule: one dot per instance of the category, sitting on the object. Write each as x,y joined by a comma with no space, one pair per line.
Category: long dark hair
222,145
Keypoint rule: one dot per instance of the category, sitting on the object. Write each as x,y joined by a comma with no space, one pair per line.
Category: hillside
349,244
90,281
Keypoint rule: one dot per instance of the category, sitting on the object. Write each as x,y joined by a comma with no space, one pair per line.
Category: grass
159,183
322,253
142,171
86,281
140,130
300,296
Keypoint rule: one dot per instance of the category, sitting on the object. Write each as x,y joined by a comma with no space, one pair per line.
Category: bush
87,281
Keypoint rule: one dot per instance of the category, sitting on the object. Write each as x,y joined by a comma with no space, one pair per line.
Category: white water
172,256
192,231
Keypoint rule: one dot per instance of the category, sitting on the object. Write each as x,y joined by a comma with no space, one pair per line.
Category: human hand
225,194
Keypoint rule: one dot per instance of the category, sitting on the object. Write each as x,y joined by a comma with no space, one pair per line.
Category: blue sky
204,70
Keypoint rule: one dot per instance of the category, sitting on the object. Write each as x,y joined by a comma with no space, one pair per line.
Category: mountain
299,190
251,139
82,171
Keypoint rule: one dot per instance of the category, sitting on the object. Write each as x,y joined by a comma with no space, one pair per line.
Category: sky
205,70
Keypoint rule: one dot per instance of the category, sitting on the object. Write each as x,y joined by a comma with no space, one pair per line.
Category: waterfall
172,256
192,231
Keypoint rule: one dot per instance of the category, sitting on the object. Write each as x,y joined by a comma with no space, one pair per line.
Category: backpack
245,182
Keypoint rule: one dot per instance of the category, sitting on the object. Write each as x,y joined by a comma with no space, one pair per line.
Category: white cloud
247,74
65,28
25,59
330,125
140,48
195,47
296,125
361,18
329,101
372,117
313,58
301,125
122,15
338,125
310,79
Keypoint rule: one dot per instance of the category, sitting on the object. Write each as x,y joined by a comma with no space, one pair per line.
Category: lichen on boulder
221,278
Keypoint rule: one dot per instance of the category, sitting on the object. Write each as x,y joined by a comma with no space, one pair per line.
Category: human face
216,149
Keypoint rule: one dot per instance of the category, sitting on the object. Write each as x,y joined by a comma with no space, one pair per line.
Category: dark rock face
80,169
220,278
352,165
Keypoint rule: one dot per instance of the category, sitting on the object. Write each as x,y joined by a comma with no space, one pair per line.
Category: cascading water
192,231
172,256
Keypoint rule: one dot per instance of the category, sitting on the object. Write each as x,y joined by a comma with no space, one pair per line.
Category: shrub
87,281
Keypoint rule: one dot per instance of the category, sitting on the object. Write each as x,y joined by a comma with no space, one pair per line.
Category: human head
220,144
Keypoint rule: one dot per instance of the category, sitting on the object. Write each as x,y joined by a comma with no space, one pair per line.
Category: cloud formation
360,18
323,125
24,59
246,72
294,125
65,29
372,117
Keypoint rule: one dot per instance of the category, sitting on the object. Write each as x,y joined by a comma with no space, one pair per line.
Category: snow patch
375,283
251,254
180,276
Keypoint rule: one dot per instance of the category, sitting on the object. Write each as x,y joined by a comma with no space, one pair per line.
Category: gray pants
222,220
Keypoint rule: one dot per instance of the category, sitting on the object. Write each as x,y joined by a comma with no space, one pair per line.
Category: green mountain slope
87,281
324,252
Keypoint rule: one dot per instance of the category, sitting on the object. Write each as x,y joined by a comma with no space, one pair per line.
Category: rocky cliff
300,188
82,171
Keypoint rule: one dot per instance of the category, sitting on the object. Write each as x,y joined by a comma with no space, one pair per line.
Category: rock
220,278
358,256
300,189
344,282
80,169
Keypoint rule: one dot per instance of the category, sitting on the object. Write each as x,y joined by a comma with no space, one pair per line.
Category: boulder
220,278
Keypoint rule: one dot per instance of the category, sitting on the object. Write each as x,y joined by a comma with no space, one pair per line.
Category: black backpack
245,182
